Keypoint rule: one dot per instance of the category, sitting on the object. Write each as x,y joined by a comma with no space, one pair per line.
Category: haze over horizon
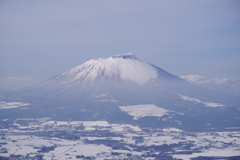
40,39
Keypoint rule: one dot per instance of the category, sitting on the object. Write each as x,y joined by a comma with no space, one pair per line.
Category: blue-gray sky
39,39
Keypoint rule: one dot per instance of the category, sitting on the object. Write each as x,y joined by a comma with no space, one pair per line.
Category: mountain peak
130,56
126,66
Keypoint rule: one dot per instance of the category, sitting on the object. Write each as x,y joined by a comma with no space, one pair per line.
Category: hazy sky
39,39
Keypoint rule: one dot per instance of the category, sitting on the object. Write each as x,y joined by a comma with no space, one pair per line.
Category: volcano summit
126,66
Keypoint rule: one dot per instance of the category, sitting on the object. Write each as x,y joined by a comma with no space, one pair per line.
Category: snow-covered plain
134,141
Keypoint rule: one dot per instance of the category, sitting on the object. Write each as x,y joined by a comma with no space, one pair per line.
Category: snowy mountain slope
126,66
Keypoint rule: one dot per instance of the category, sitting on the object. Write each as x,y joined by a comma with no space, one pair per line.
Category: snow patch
186,98
210,104
139,111
195,100
223,152
193,78
172,130
9,105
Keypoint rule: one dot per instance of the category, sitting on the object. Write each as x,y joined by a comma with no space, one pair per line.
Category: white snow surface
139,111
172,129
193,78
195,100
24,142
133,69
223,152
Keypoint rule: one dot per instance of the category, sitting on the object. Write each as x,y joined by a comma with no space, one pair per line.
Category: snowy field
102,140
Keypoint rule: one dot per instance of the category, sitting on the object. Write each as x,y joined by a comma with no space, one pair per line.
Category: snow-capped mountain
124,79
126,66
123,88
118,78
226,85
